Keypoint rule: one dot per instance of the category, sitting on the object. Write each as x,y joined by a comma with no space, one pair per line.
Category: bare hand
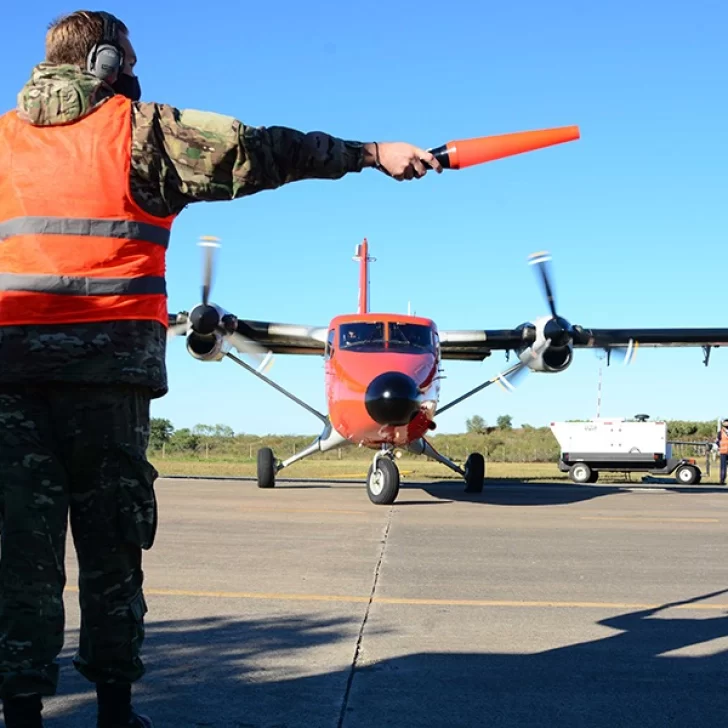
400,160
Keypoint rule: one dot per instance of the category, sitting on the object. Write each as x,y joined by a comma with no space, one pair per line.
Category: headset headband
110,30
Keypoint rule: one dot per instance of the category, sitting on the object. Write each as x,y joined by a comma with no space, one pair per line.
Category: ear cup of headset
105,62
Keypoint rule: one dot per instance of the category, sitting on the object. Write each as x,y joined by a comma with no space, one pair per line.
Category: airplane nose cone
392,399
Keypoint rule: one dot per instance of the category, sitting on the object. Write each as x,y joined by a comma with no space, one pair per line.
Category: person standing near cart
722,445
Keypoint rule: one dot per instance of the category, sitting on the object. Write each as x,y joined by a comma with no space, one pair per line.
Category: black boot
114,707
23,712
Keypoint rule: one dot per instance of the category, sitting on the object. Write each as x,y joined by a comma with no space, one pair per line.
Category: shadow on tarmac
205,672
508,491
496,491
514,492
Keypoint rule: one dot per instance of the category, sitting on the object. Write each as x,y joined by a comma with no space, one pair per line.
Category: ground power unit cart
619,445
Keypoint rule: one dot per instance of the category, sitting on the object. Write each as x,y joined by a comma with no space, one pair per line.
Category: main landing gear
269,466
474,471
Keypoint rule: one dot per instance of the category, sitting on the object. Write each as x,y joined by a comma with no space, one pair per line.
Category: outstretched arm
185,156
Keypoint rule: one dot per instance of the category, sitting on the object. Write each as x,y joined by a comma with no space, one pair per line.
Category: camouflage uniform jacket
177,157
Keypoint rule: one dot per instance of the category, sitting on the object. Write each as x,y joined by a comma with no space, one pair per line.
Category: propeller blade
250,348
176,330
208,244
509,380
541,261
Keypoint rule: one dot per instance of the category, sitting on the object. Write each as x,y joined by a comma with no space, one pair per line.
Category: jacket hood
60,94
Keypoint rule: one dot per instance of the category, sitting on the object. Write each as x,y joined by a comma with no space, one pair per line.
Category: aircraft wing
282,338
476,345
618,338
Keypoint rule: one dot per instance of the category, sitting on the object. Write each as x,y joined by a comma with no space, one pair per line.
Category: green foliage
184,441
160,432
213,431
476,424
504,422
503,443
689,430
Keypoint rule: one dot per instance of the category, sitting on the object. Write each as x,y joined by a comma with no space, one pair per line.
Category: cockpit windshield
410,335
362,336
380,336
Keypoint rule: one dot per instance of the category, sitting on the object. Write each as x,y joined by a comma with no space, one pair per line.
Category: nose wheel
383,480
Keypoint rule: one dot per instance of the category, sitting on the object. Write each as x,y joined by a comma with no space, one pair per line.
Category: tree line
501,442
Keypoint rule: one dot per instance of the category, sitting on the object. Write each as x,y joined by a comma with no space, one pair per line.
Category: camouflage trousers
78,451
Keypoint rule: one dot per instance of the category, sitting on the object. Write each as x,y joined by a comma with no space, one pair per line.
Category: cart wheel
580,473
594,476
687,475
266,468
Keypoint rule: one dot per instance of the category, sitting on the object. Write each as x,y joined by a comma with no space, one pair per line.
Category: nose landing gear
383,479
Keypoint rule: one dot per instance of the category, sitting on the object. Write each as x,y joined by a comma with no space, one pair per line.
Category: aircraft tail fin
362,255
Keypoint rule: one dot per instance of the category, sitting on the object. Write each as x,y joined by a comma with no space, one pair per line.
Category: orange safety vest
74,246
723,446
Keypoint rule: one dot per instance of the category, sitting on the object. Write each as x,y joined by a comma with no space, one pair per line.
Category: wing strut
278,387
501,379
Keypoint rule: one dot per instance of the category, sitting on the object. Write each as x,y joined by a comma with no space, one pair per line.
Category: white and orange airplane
383,370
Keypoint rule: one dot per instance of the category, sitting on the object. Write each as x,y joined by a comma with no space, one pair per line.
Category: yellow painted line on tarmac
649,519
415,602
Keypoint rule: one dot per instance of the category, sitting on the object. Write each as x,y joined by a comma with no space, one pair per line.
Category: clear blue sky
634,213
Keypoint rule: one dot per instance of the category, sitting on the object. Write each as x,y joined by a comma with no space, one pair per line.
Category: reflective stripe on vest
141,231
81,286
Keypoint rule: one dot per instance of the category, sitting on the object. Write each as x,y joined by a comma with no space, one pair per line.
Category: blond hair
70,38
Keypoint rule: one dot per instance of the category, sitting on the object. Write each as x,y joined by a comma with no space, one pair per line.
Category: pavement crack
360,636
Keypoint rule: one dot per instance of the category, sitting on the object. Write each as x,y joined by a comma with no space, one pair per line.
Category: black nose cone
392,399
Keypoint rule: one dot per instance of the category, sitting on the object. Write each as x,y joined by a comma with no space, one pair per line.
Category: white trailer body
616,444
612,435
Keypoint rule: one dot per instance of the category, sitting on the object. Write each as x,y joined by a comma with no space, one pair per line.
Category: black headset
106,58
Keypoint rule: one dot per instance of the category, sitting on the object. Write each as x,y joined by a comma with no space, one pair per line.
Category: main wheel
687,475
383,482
266,468
580,473
474,473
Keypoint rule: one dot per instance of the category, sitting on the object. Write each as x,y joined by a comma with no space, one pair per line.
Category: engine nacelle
555,358
207,347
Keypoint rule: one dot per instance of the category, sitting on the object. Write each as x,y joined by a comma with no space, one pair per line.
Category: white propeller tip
542,257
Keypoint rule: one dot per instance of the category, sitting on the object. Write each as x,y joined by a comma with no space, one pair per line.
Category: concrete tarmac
527,605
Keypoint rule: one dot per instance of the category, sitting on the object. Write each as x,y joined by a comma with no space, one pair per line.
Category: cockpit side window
330,344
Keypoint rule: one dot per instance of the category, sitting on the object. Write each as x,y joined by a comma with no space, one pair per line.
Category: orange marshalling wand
468,152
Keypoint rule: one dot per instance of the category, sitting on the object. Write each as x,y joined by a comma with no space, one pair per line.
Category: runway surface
528,605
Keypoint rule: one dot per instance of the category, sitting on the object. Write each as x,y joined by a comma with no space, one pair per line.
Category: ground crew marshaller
91,181
722,444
